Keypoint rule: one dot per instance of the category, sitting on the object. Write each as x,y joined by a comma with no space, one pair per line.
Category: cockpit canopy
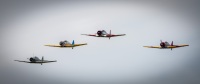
101,32
33,59
63,43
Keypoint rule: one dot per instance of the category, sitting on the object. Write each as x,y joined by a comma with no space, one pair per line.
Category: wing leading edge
174,46
118,35
89,34
55,45
44,61
152,46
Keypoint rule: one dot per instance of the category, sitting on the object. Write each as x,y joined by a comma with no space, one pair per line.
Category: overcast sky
26,26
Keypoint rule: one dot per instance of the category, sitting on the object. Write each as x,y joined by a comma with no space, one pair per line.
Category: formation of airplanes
100,33
36,60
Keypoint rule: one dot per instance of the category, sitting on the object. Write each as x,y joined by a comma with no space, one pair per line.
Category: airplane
65,43
103,33
166,45
36,60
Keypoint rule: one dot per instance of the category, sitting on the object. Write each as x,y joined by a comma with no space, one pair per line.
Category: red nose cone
162,44
99,33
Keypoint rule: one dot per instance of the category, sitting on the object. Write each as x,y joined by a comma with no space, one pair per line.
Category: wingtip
147,46
46,45
84,44
84,34
186,44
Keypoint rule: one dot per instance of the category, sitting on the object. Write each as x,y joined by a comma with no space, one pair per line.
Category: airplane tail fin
73,44
110,34
172,43
42,59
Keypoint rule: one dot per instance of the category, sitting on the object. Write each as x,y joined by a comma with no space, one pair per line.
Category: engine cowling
99,33
31,59
162,45
62,43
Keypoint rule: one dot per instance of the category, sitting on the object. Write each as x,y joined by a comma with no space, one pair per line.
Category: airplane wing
174,46
113,35
160,47
152,46
53,45
45,61
181,45
89,34
79,44
23,61
177,46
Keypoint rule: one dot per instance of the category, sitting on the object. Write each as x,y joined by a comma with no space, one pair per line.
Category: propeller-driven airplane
66,44
166,45
103,33
36,60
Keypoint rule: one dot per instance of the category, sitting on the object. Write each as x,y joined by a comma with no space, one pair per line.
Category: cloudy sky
26,26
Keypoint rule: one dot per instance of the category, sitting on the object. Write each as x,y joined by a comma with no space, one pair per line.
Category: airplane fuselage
164,44
101,33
